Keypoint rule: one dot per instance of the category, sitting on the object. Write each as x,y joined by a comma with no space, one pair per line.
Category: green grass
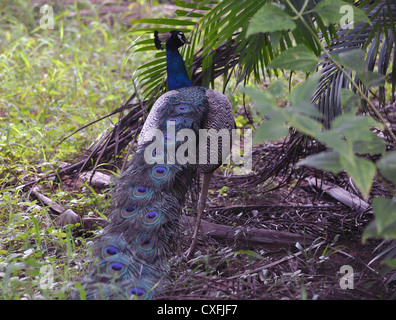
51,83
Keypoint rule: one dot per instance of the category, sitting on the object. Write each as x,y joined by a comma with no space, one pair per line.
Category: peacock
175,145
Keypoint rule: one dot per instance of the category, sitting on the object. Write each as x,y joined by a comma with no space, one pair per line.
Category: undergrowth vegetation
52,82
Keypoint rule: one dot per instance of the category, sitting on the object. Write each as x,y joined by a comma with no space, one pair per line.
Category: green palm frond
378,40
217,28
212,26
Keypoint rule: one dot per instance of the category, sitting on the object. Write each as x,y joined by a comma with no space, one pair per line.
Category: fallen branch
273,237
343,196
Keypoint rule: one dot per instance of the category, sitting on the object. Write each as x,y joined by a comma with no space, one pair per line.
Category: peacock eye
129,211
145,242
139,293
182,108
160,172
110,250
141,191
116,268
152,217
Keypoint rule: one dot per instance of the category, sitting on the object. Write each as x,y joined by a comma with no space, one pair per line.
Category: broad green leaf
240,121
361,171
371,79
328,160
304,91
352,59
270,130
355,128
384,224
301,96
329,11
375,146
275,38
349,100
276,88
270,18
306,108
264,101
371,231
336,11
303,123
385,212
387,165
332,140
298,58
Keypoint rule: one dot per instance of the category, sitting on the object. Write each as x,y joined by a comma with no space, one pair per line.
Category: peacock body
132,252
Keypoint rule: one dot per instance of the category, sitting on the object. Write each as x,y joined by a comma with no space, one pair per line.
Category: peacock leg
207,177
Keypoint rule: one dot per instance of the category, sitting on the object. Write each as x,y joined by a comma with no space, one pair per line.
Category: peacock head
173,39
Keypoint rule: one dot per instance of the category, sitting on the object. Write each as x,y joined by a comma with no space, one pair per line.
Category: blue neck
177,73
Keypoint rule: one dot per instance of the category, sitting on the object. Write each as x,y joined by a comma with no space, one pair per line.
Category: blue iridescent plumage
175,66
132,253
176,69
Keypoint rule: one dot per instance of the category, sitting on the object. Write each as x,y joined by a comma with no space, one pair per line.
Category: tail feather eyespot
152,217
117,268
145,242
138,293
109,251
141,191
129,211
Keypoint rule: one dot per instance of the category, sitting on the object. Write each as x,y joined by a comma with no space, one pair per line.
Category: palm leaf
377,40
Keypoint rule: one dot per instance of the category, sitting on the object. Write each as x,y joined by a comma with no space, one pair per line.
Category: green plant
351,135
51,83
